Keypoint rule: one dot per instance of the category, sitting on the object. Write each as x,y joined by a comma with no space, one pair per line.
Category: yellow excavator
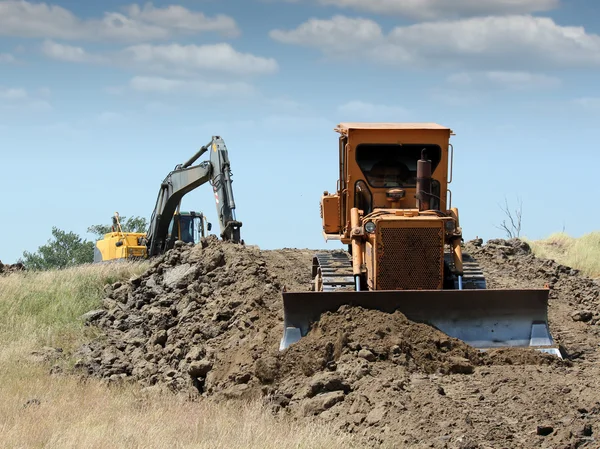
189,227
167,223
393,208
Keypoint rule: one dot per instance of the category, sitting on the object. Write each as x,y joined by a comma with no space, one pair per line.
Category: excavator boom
187,177
181,180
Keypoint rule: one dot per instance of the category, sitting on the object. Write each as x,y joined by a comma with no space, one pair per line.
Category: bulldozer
393,209
167,223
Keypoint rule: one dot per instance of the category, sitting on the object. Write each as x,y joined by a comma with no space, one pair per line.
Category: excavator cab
393,209
188,227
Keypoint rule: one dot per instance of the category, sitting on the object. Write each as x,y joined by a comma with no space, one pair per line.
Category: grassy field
41,410
582,253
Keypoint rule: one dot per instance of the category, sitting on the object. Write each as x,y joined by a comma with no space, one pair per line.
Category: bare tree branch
512,227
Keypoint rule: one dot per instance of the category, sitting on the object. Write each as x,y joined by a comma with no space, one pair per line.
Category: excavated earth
11,268
206,320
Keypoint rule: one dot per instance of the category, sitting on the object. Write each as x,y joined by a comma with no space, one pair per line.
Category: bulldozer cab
376,157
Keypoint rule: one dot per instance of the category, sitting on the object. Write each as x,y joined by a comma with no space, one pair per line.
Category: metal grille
410,258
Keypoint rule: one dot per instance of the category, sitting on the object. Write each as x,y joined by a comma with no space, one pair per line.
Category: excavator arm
187,177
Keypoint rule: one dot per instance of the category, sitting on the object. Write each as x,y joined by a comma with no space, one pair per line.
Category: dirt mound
11,268
207,319
173,324
573,297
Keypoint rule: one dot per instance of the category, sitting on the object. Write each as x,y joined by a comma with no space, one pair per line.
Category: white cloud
170,59
514,80
456,97
522,80
115,90
6,58
359,110
110,117
182,19
340,34
196,87
460,79
21,18
68,53
215,57
506,43
159,107
435,9
592,103
13,94
19,99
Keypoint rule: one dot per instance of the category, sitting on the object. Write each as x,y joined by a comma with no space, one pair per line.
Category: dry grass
73,414
582,253
39,410
43,308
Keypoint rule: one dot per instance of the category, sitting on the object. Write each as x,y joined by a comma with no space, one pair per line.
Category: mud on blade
483,319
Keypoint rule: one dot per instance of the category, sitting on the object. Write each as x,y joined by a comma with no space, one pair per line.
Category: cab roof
344,127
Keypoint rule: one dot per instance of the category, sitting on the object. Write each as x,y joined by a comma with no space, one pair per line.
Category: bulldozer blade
484,319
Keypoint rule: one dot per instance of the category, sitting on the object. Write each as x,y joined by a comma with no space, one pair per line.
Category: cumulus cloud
515,80
522,80
176,17
19,99
435,9
214,57
6,58
506,43
196,87
181,60
591,103
13,94
360,110
21,18
340,34
68,53
457,97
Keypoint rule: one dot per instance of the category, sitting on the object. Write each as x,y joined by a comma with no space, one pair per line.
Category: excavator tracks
333,272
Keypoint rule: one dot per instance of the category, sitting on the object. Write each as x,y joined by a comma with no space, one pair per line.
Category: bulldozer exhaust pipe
423,183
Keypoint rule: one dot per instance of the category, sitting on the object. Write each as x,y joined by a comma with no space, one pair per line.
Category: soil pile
573,297
207,319
11,268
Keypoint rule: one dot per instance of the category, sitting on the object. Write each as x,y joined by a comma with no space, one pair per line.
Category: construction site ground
206,320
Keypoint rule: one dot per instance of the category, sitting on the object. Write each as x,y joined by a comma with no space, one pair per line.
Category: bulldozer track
333,271
473,277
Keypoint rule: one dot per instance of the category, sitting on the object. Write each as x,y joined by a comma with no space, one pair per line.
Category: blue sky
100,100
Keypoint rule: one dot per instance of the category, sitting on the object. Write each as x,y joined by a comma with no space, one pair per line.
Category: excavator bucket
484,319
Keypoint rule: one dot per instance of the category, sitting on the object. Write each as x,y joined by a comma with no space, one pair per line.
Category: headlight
370,227
450,226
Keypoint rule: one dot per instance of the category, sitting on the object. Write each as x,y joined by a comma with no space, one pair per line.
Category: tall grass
582,253
43,308
40,410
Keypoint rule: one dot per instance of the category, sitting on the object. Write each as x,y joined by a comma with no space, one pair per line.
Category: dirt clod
544,430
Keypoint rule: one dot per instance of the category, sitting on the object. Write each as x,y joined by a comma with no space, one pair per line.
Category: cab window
394,165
